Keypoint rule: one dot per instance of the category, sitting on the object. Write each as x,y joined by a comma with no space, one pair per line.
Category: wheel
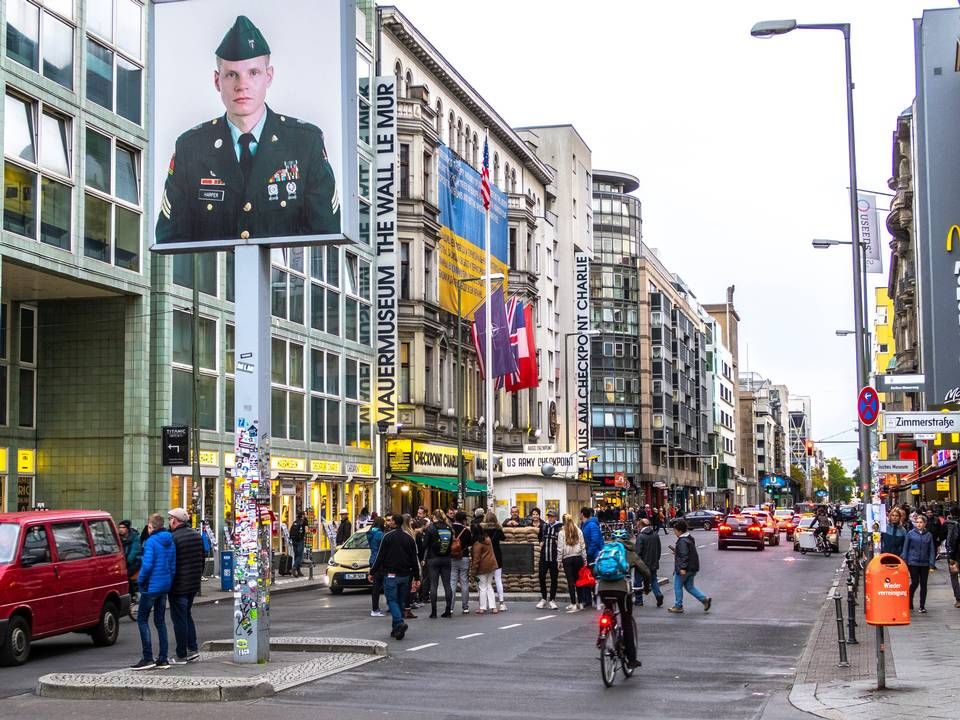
608,660
627,672
827,552
721,547
803,551
763,546
336,589
707,525
106,631
16,645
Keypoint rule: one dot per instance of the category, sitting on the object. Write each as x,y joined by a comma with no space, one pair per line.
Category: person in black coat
345,529
186,585
648,549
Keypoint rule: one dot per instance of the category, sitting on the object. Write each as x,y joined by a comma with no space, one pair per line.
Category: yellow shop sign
326,467
288,464
25,461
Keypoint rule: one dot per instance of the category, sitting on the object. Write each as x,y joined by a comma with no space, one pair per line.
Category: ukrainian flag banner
461,232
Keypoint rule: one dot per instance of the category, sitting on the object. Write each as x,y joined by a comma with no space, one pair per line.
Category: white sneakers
541,605
552,605
376,613
571,608
503,606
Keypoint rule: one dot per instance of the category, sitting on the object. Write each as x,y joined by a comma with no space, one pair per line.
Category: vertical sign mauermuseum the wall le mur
384,126
582,314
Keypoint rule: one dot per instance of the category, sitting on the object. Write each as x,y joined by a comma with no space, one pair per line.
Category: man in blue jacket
156,577
593,540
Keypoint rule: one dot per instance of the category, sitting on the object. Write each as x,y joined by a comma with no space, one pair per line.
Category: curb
310,645
276,590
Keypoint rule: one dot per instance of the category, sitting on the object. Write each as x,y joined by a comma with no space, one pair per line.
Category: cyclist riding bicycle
821,525
620,592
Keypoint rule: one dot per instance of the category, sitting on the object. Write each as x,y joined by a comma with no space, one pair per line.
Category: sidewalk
211,592
922,664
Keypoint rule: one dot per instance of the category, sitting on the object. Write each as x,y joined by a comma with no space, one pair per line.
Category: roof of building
630,182
534,128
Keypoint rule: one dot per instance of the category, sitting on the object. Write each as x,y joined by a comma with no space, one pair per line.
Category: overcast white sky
740,145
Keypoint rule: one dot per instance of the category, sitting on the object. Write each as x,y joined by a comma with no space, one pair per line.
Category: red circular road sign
868,406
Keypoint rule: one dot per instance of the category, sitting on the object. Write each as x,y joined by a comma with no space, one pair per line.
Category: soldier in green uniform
251,172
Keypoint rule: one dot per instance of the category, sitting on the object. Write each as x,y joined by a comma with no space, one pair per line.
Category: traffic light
809,447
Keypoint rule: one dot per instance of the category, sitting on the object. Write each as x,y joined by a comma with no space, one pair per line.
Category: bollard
851,613
841,641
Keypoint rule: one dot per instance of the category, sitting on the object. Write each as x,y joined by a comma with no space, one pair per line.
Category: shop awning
924,476
447,484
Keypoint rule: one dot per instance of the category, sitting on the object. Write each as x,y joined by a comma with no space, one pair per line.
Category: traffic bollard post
841,641
851,613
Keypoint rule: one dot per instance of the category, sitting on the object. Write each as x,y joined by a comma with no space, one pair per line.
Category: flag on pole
513,306
527,375
502,357
485,177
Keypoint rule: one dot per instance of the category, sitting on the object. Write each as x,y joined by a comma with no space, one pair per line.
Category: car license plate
354,576
740,534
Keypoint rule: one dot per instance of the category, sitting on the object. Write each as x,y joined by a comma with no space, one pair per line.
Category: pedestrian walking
132,552
593,539
344,529
891,540
573,556
686,565
648,548
298,537
186,584
460,559
409,603
549,537
374,538
952,548
437,540
492,527
920,554
156,576
397,560
483,563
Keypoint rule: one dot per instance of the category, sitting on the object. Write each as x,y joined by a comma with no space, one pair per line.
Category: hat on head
551,513
344,511
242,41
126,523
179,514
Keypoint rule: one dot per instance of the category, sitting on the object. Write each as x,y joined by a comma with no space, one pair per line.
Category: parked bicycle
610,642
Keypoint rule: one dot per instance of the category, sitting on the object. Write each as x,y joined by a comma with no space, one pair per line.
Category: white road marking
420,647
464,637
700,546
507,627
546,617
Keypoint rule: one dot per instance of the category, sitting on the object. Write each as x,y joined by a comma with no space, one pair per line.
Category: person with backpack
298,537
612,569
437,540
549,559
374,538
460,559
686,565
593,539
648,548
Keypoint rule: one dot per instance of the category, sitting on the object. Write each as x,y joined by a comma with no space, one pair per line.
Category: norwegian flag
485,177
527,371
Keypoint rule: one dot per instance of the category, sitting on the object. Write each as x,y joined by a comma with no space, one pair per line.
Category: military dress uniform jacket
291,189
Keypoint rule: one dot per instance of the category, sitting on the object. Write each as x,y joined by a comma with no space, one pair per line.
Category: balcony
414,116
522,207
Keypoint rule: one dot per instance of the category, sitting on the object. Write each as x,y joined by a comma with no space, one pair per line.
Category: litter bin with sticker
887,591
226,570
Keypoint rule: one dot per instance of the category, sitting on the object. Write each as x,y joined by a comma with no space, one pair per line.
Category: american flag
485,177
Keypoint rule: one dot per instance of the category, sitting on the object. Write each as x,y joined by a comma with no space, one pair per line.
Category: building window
460,137
182,369
287,393
4,361
427,192
112,211
356,304
37,147
206,262
404,170
451,130
36,36
324,397
496,169
229,366
324,290
398,78
114,56
287,280
27,370
356,393
404,372
475,152
440,119
429,284
404,270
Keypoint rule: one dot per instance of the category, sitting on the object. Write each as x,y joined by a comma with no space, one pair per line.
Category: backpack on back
445,538
456,549
611,564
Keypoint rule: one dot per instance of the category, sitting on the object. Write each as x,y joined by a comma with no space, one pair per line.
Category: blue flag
503,359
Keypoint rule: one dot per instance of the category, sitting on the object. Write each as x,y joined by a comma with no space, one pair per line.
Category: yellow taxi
350,564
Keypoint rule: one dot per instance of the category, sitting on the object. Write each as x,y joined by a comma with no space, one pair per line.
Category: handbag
585,578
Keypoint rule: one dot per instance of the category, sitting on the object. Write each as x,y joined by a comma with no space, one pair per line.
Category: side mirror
27,560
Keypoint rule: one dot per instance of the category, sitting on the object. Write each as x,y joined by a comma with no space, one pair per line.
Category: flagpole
488,360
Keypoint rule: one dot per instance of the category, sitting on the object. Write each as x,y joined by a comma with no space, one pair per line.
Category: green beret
242,42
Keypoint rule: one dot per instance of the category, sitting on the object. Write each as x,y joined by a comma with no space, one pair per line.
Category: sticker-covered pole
251,470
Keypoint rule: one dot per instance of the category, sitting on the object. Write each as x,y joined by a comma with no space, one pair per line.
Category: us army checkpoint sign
254,132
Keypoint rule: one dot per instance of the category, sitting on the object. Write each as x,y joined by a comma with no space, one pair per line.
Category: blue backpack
611,564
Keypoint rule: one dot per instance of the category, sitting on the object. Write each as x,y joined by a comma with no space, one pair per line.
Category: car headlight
332,563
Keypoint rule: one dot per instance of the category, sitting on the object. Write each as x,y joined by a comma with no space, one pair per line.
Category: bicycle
823,545
610,643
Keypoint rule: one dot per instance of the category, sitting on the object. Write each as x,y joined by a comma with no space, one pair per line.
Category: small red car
60,571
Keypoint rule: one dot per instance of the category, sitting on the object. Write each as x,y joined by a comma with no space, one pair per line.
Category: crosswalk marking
420,647
464,637
507,627
545,617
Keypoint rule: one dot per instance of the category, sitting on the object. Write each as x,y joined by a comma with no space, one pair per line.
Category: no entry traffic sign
868,406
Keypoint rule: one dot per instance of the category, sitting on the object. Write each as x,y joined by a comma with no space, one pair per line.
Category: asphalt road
735,662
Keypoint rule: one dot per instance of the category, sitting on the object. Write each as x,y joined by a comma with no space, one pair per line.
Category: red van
60,571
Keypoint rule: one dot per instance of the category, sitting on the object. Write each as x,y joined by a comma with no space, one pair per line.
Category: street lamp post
779,27
461,476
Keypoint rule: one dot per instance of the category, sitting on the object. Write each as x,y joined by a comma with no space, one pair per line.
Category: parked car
706,519
740,531
805,525
771,533
350,564
60,571
848,512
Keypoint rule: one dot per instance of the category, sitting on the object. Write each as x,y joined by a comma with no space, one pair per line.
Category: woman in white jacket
573,556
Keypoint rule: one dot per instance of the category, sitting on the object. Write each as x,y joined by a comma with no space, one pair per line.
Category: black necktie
246,157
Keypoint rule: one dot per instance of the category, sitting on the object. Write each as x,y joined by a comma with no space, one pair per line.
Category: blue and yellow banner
462,230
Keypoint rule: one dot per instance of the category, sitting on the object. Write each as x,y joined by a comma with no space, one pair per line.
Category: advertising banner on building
410,456
582,363
530,464
937,200
869,232
254,137
385,397
462,226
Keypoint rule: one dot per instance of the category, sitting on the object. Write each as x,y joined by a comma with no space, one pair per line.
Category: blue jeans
685,582
158,603
396,587
297,555
183,628
638,581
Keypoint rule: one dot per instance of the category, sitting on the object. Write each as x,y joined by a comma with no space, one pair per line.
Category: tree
840,485
799,477
819,482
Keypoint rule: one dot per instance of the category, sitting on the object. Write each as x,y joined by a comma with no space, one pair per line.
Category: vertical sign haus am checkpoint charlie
260,154
582,315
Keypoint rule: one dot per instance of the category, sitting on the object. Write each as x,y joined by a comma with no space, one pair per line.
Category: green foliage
840,485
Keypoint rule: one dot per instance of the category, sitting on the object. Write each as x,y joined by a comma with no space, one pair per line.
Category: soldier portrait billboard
254,130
